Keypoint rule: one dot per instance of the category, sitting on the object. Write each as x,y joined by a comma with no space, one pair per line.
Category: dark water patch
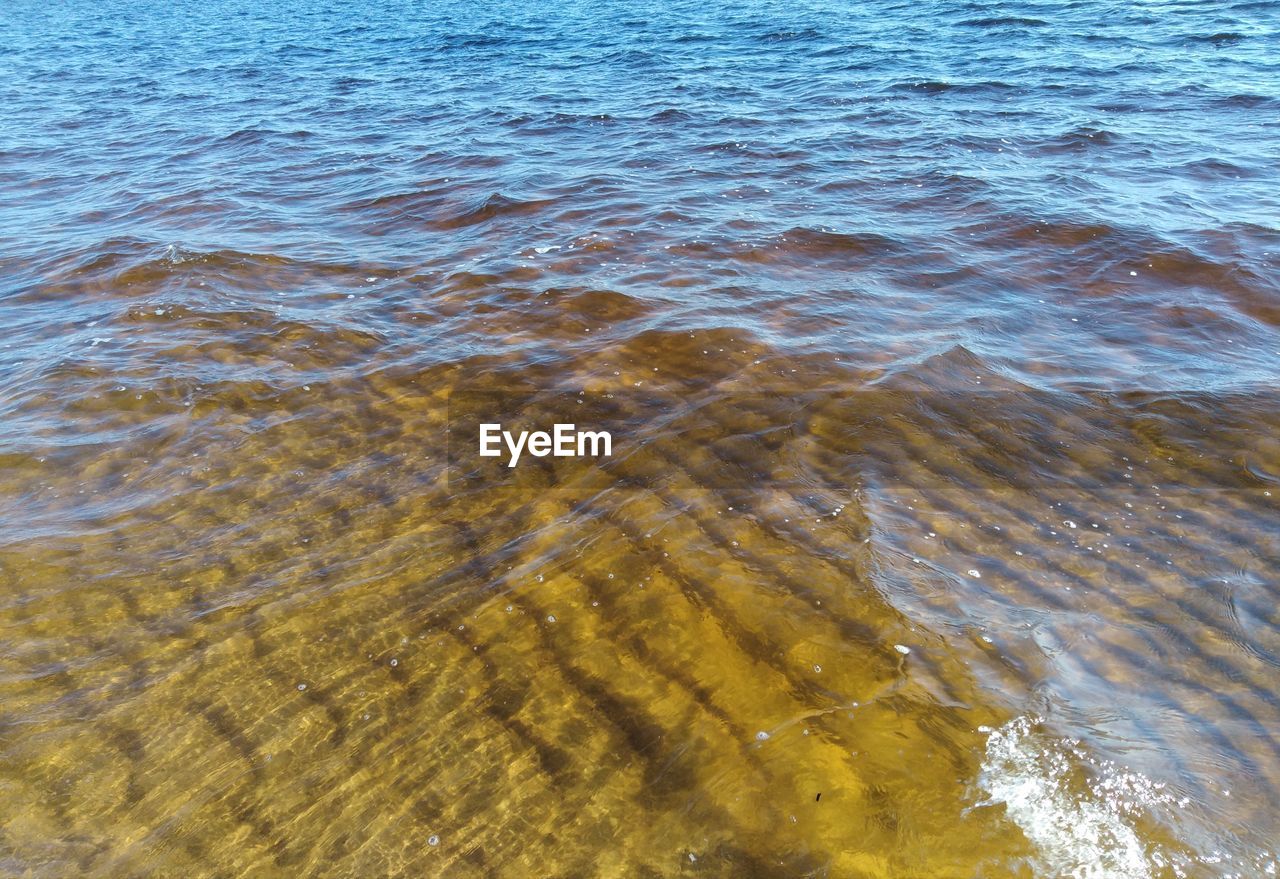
580,118
1220,40
1072,236
608,307
1248,101
671,114
1003,22
940,87
1253,295
696,37
1216,169
828,243
346,85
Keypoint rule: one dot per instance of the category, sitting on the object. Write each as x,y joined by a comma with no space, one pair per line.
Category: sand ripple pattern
944,340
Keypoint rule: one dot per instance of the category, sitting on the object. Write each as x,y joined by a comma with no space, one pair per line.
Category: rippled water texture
941,539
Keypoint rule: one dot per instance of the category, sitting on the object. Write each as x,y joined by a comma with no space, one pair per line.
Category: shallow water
940,342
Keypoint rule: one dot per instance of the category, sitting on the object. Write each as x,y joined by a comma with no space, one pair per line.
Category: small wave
1004,21
828,241
250,136
134,269
695,37
298,50
345,85
493,207
461,42
1069,234
1220,40
434,207
937,87
1250,293
1080,830
749,150
577,118
931,86
1211,168
1247,102
638,57
175,254
788,35
671,114
1080,139
807,246
599,306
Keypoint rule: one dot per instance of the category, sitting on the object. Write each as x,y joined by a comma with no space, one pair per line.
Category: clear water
942,339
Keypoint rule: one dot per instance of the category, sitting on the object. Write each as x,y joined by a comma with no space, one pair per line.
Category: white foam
1078,833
